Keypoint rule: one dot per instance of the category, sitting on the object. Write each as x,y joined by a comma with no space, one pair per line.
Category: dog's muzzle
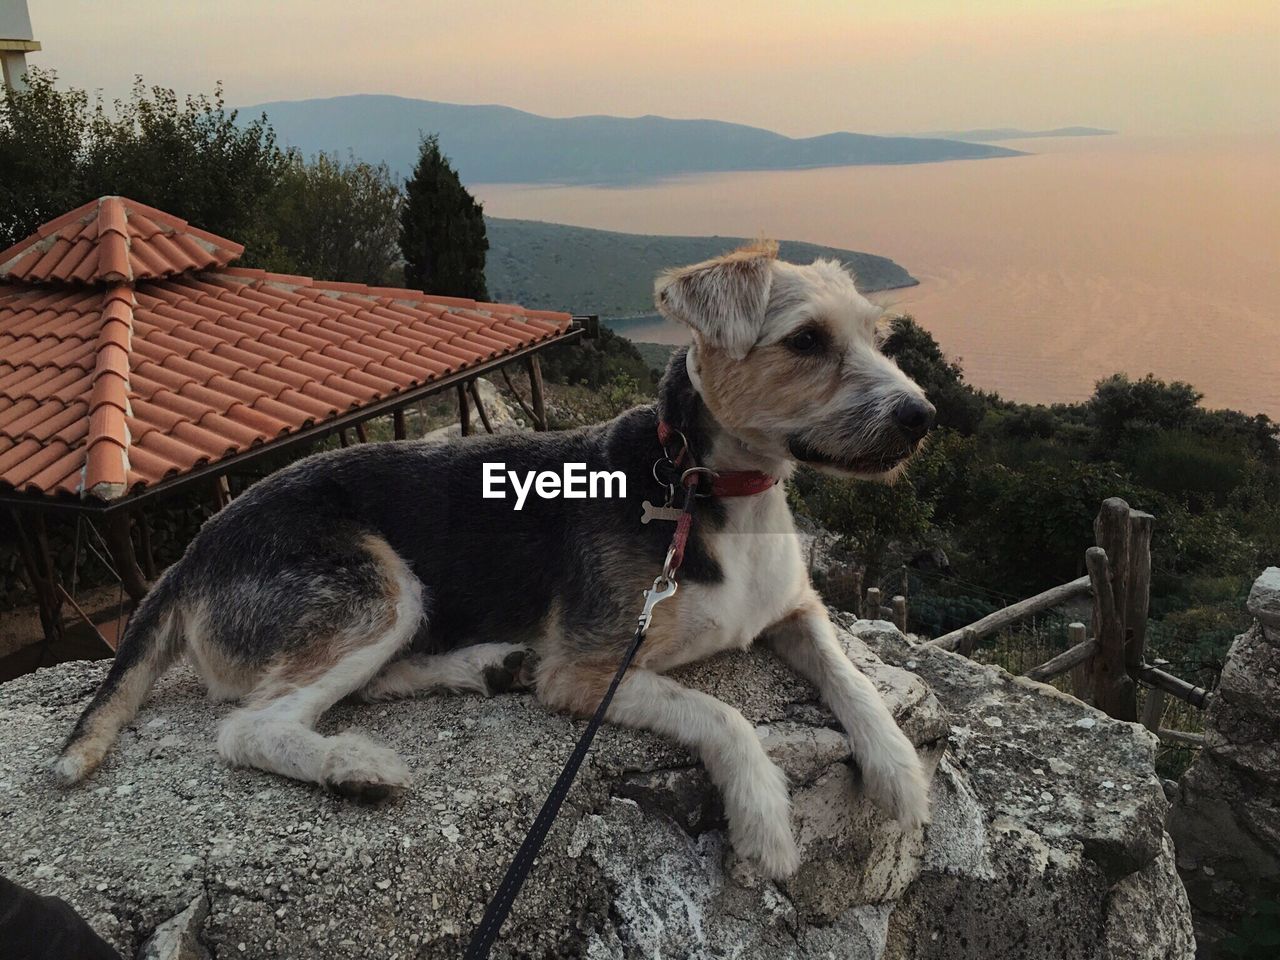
898,439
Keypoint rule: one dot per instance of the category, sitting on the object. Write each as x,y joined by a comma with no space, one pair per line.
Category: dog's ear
722,299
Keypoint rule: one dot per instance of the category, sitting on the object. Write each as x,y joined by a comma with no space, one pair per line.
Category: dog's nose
914,416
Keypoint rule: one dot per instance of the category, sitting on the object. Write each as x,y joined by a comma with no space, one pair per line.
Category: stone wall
1047,837
1226,817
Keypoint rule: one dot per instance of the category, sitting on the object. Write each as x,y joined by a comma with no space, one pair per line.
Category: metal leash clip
662,588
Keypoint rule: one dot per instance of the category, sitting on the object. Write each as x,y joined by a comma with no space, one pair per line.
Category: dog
381,571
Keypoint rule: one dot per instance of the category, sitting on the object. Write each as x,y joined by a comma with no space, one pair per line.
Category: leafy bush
595,362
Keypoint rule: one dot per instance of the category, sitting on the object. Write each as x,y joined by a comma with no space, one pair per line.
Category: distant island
497,144
1013,133
555,266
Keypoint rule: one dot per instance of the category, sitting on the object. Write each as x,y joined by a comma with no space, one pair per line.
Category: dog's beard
881,462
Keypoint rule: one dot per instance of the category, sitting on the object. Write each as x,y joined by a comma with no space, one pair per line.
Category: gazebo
135,361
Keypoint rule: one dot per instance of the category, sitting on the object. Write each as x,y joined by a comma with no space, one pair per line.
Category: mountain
496,144
1013,133
559,267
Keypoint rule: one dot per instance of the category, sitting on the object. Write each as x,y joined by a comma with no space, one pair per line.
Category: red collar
733,483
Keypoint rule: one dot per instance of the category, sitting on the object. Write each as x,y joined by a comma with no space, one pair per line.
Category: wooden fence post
1113,690
900,613
872,607
1153,708
1079,675
857,592
1135,617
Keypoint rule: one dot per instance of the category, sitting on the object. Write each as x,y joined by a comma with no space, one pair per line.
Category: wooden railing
1107,661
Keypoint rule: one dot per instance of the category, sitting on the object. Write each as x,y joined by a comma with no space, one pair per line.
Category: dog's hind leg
753,787
891,769
274,728
483,668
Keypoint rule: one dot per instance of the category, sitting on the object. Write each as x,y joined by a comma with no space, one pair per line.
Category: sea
1041,273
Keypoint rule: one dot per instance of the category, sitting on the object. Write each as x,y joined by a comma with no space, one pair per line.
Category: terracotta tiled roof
114,240
117,376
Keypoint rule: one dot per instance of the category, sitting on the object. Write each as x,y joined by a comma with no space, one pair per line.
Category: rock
179,937
1047,824
1264,602
1226,816
502,417
1028,851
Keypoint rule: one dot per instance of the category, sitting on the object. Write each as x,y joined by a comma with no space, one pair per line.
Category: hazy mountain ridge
496,144
1014,133
561,267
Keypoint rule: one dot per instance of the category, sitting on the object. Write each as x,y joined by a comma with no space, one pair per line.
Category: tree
42,139
339,221
913,348
193,158
198,160
1119,404
442,232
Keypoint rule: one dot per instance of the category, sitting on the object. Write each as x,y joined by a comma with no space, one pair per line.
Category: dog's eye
806,341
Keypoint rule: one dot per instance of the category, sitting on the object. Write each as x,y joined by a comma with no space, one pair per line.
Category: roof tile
131,352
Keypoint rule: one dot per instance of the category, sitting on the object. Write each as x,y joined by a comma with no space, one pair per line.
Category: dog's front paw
760,822
773,849
893,777
359,769
514,672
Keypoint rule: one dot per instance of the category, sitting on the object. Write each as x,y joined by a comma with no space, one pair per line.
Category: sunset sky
802,68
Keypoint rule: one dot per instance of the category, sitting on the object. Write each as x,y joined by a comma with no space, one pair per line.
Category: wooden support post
361,434
872,608
1076,634
536,393
115,531
221,491
900,613
1111,686
342,438
144,540
464,410
484,415
1139,599
33,545
397,423
968,642
1115,691
519,399
1153,708
856,586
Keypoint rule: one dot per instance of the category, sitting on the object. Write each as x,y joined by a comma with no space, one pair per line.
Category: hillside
1013,133
494,144
560,267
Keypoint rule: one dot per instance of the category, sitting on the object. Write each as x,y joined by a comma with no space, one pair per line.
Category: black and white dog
382,570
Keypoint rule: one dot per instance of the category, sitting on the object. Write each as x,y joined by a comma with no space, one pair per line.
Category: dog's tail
151,642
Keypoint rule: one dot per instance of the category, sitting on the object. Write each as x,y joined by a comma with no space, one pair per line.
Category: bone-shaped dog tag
659,513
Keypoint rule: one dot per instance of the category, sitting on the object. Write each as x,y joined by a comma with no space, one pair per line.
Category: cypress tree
442,232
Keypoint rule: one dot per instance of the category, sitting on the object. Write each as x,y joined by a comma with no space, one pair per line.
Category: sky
802,67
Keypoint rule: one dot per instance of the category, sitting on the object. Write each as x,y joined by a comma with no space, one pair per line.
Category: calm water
1041,273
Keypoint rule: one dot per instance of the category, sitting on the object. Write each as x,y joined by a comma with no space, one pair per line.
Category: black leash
496,913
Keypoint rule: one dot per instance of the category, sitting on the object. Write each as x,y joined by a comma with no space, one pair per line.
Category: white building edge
16,41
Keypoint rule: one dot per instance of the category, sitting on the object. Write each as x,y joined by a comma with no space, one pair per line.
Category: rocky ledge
1047,839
